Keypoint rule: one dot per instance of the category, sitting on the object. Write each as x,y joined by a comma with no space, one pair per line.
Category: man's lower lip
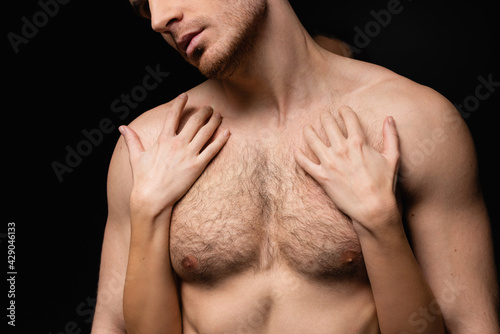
192,45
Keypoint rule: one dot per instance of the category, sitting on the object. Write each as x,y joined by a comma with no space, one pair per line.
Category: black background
64,80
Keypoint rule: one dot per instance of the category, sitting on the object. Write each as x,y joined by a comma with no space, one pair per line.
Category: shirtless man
275,209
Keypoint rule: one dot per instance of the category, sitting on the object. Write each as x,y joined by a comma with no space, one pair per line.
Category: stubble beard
223,59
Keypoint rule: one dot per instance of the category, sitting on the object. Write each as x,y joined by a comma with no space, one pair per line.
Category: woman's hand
361,182
165,172
359,179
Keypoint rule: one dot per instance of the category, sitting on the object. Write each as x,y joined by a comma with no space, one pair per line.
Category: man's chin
216,68
217,73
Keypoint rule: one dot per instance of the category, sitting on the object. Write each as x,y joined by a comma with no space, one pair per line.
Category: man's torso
257,244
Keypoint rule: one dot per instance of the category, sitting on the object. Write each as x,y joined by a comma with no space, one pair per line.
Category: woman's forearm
399,287
150,299
162,173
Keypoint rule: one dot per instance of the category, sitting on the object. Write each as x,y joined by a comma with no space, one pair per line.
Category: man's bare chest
255,208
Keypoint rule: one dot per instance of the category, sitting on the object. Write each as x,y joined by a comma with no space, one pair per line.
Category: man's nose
164,14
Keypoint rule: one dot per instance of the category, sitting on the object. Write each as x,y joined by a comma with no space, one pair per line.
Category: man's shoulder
149,124
148,127
433,136
382,86
413,105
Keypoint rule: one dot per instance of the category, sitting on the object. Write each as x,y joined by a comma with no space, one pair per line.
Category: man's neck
284,70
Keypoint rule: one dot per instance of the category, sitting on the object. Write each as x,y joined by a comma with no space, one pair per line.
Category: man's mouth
189,41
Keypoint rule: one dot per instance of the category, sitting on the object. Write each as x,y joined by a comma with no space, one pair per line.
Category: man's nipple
190,262
350,258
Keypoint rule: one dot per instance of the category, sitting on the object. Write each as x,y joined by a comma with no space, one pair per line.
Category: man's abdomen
278,301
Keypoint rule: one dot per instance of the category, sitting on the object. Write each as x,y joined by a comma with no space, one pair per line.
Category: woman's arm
150,300
361,182
162,175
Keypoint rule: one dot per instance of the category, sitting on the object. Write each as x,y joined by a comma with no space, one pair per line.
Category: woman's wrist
381,220
143,208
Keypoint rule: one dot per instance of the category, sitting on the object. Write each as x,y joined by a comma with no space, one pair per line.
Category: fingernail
391,120
122,130
226,133
183,96
218,115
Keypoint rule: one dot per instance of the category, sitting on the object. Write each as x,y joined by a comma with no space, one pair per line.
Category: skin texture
333,45
293,223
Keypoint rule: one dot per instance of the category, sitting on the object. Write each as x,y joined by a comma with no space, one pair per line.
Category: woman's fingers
314,142
132,141
309,166
201,136
173,116
196,123
332,129
352,123
391,140
213,148
391,149
197,134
